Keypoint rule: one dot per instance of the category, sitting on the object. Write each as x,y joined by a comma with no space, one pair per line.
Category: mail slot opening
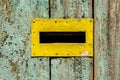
62,37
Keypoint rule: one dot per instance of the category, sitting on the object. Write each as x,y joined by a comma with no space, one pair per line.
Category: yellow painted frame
62,49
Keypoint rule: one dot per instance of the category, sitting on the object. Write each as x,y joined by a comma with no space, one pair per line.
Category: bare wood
79,68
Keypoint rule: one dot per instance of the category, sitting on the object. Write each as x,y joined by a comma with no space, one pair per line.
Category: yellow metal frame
62,49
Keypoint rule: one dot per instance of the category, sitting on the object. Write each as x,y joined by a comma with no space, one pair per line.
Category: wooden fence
16,62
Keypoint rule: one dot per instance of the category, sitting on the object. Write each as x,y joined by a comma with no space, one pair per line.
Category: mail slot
61,37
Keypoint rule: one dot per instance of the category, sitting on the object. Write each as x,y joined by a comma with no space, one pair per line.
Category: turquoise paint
15,47
15,50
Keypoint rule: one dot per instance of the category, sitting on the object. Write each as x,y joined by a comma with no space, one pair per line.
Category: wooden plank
101,40
15,53
79,68
112,39
62,69
117,58
107,42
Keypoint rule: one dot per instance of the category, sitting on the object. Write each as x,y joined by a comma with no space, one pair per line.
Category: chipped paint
78,68
107,48
15,60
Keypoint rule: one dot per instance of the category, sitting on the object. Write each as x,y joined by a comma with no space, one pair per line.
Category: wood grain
117,58
15,41
79,68
107,39
15,46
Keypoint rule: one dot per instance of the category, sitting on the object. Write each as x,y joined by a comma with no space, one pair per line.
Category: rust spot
6,9
14,68
3,36
33,21
56,53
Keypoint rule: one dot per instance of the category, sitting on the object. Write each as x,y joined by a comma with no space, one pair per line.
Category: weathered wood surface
107,40
79,68
15,47
16,62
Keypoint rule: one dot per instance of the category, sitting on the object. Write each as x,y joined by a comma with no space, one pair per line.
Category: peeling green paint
79,68
15,47
15,60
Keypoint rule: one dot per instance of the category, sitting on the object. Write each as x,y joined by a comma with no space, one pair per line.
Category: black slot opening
62,37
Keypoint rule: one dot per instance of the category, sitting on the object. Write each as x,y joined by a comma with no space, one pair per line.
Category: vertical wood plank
79,68
112,39
15,41
107,40
101,39
62,69
117,58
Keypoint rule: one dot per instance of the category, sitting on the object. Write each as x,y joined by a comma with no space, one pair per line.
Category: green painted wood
101,40
117,56
15,46
107,40
79,68
117,38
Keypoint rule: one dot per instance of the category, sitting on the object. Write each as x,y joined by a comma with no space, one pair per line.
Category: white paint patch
85,53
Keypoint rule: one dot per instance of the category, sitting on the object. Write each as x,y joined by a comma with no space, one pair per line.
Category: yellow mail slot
62,37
